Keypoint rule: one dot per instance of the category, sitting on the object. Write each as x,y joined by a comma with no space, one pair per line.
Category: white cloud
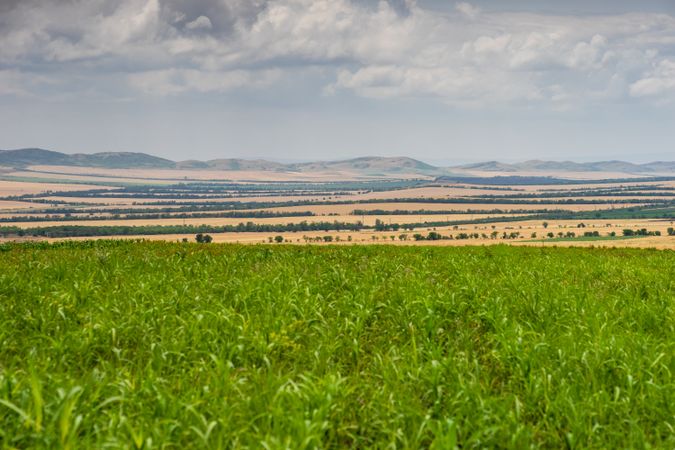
658,82
200,23
467,9
475,58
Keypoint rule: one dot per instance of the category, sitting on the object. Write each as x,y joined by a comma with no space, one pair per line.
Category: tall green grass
159,345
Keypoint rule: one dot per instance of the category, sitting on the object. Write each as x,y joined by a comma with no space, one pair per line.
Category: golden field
93,209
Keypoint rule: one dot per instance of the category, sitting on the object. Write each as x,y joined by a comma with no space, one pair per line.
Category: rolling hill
34,156
371,165
570,166
37,156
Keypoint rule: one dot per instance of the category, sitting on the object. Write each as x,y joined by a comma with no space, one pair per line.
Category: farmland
156,345
58,202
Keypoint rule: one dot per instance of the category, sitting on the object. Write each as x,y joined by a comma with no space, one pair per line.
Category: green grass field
160,345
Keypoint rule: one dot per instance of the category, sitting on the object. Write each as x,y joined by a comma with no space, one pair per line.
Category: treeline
598,193
640,232
199,190
124,230
67,217
515,180
431,212
235,205
637,187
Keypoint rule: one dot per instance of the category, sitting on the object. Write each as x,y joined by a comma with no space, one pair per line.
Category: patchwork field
175,204
159,345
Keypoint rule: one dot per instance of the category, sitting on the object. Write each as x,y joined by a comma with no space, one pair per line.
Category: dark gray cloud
223,16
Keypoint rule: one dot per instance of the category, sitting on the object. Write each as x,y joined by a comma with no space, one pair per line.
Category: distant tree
278,239
671,231
545,224
203,238
402,237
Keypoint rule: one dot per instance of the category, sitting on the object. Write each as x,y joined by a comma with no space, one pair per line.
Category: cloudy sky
438,80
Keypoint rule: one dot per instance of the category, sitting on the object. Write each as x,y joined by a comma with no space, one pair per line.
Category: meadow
122,344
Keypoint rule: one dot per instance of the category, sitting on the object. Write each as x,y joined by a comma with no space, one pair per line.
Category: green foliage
114,344
125,230
203,238
640,232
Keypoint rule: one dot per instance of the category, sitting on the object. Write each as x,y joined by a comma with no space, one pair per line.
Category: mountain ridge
21,158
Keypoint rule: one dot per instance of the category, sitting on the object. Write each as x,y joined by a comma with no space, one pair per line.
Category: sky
291,80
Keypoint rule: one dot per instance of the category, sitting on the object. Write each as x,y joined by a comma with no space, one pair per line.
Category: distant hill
370,165
367,164
37,156
570,166
491,166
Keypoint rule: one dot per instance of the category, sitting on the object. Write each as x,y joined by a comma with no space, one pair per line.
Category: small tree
203,238
545,224
278,239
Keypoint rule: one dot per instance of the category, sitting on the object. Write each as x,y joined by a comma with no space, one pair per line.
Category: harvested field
14,188
9,205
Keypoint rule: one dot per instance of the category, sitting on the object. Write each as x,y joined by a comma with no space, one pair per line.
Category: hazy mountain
660,166
492,166
28,157
571,166
33,156
371,165
244,164
36,156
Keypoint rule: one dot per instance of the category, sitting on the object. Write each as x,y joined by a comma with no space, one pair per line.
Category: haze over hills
21,158
570,166
117,160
